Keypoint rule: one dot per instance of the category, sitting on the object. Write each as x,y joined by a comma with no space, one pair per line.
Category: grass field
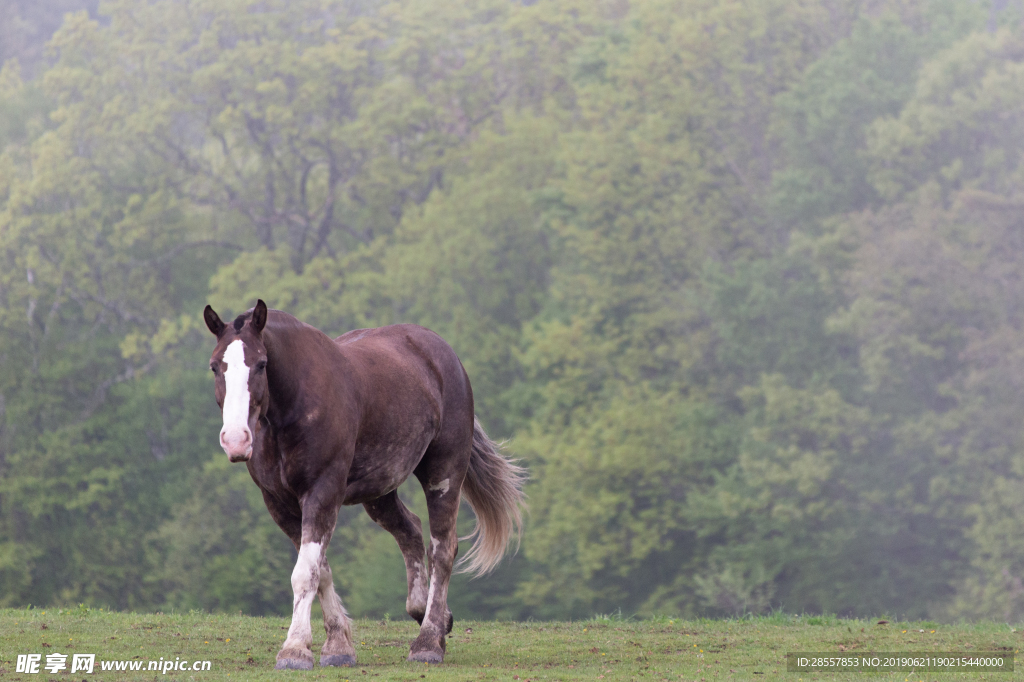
609,649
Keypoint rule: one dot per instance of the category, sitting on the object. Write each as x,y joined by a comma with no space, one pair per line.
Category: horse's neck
291,361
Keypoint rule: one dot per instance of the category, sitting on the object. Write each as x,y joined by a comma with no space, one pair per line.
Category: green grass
609,648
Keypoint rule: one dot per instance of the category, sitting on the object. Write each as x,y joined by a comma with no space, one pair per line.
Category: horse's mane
276,319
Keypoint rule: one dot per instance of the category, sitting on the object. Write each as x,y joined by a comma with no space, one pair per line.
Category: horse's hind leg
394,517
338,649
443,492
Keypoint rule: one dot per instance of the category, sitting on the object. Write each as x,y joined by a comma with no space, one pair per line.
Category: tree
933,293
664,171
91,238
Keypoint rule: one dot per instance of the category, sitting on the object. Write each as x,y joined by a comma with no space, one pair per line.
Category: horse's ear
259,316
213,321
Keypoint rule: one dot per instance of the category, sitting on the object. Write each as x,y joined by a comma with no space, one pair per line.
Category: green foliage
28,25
220,551
621,530
822,119
739,280
959,129
91,238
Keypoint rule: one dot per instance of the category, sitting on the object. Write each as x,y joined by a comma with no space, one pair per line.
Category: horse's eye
213,368
261,365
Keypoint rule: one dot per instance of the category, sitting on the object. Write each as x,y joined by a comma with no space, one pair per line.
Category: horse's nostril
232,439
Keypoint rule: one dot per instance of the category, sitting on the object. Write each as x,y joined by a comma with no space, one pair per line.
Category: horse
322,423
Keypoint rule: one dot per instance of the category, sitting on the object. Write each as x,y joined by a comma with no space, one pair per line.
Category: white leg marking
305,583
430,596
236,399
442,486
434,546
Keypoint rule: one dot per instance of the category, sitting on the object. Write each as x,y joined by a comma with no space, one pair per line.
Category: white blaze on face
235,436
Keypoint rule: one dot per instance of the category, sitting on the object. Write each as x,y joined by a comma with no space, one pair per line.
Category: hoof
293,664
337,660
426,657
294,659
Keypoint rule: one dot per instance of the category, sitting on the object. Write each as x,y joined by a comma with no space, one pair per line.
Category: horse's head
239,363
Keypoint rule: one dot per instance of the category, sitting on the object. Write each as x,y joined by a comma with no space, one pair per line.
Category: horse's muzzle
237,443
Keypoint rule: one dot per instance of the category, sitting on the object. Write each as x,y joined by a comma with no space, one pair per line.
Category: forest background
740,281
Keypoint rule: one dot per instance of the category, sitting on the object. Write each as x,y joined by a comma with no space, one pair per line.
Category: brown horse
323,423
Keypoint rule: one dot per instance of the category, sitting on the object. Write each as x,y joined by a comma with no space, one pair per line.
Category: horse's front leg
311,576
338,649
296,652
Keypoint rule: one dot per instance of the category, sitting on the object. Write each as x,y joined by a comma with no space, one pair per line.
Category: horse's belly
378,473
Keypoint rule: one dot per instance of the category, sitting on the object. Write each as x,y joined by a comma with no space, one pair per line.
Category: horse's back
414,393
388,333
402,348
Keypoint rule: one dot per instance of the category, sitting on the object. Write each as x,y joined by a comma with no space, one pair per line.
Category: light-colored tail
494,489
